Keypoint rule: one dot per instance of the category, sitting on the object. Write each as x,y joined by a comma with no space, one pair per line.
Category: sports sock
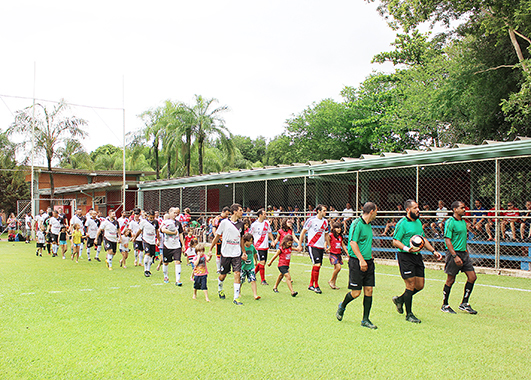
136,255
220,285
48,247
146,260
218,264
446,293
88,252
468,289
98,251
80,249
150,261
408,300
367,303
109,259
262,271
347,300
178,272
416,291
257,268
236,291
141,256
318,268
165,271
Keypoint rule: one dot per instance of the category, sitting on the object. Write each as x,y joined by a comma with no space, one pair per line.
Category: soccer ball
416,242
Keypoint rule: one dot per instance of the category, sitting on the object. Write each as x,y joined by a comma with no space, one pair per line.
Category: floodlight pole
33,153
123,148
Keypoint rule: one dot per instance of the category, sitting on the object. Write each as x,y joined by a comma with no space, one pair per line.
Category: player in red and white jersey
318,241
261,231
138,248
123,221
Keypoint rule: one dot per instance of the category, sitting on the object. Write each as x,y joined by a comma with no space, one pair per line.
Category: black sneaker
88,259
146,273
294,294
466,307
311,288
369,324
447,309
411,318
97,259
264,282
275,290
399,305
221,294
318,290
340,311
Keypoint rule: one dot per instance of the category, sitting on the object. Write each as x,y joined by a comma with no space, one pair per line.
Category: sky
265,60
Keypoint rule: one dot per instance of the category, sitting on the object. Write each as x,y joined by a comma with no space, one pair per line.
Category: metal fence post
305,207
357,192
181,199
265,197
417,188
496,214
233,193
206,202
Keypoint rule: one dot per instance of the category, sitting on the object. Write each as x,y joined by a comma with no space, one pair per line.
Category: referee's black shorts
358,278
411,265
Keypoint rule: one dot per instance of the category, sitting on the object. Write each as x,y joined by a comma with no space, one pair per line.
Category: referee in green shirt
409,259
360,264
457,258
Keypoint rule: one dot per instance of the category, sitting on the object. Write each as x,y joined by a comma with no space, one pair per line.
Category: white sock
80,250
146,261
218,264
54,249
165,271
178,272
88,252
220,285
136,255
236,291
109,259
141,256
98,251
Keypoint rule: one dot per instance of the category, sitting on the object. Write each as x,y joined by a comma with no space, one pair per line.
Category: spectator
442,215
426,218
333,215
392,222
348,216
11,222
512,214
479,217
526,223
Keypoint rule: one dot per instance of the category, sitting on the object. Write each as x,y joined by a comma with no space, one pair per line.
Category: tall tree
52,130
13,186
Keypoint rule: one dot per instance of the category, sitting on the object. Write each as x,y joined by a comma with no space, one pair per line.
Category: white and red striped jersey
317,228
260,231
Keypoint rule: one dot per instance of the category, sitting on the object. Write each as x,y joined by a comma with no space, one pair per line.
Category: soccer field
75,321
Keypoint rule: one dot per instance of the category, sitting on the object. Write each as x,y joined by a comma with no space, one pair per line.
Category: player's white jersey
260,232
92,228
76,220
55,226
172,241
317,228
110,230
149,230
135,226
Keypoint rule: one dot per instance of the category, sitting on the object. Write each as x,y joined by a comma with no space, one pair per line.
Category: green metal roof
459,152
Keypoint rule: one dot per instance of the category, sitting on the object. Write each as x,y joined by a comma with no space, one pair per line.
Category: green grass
73,321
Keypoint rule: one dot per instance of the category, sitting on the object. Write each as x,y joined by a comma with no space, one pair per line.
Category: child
190,254
248,265
76,241
41,240
125,238
201,271
284,257
62,241
337,246
187,239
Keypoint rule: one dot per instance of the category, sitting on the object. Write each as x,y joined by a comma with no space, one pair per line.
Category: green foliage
12,178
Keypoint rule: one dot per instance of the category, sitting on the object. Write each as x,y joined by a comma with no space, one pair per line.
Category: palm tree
74,156
52,130
206,122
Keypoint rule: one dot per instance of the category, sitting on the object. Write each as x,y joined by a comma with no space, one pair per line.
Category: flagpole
123,157
33,153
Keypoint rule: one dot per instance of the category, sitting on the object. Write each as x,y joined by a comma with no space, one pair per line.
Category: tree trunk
156,153
516,46
52,186
200,143
188,155
169,165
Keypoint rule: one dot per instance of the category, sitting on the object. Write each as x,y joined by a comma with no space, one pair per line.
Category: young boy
284,258
248,265
190,255
41,240
201,271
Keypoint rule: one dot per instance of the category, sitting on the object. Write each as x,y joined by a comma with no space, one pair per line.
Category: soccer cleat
466,307
447,309
294,294
166,280
411,318
264,282
110,268
318,290
106,262
97,259
146,273
64,258
311,288
399,305
257,298
340,311
275,290
237,302
369,324
221,294
37,253
89,259
178,283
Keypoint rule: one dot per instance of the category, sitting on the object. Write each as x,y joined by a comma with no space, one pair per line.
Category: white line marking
26,294
135,286
55,291
156,284
86,290
114,287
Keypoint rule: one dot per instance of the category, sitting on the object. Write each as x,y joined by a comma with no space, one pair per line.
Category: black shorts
40,245
150,249
99,241
54,238
316,254
451,268
411,265
356,277
109,245
170,255
228,262
283,269
90,243
49,237
138,245
262,254
200,282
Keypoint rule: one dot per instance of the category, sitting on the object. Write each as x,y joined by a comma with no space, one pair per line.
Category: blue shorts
62,242
249,274
200,282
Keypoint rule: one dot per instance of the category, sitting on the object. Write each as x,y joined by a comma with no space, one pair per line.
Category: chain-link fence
496,192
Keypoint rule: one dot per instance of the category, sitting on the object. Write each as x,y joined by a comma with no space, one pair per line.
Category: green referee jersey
456,231
361,233
405,229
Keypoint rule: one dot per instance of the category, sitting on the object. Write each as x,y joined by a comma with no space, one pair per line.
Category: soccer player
55,229
173,243
111,233
78,218
215,224
134,225
232,250
92,231
360,264
149,228
409,260
318,240
457,259
261,231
